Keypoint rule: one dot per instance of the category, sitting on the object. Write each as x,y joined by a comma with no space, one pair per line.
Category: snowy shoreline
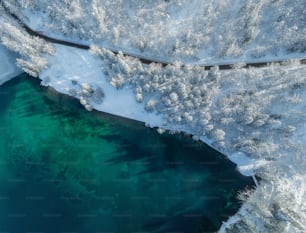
244,164
69,68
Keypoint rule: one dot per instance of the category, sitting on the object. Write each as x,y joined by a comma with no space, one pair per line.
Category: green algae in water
64,169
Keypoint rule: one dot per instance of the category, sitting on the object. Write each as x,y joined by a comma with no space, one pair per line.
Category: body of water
64,169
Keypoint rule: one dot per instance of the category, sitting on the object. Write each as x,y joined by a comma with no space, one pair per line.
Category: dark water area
64,169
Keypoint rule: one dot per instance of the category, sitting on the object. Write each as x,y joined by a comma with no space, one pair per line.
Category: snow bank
8,69
70,68
246,165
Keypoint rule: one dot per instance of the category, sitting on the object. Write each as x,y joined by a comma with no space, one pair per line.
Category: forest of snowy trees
32,50
277,205
166,29
258,112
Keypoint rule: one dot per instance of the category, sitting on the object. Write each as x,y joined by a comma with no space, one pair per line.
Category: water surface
64,169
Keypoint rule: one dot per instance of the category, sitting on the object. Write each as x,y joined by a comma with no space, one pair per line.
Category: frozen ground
71,68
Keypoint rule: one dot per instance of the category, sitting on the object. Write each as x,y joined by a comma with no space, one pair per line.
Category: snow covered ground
254,116
274,108
71,68
207,32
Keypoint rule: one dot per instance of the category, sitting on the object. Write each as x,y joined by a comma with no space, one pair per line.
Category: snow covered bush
87,90
150,105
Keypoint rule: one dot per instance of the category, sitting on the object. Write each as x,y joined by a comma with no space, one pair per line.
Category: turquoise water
64,169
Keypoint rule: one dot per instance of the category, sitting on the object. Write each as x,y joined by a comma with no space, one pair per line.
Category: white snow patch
70,64
246,165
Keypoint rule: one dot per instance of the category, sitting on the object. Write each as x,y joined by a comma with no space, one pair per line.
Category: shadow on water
64,169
